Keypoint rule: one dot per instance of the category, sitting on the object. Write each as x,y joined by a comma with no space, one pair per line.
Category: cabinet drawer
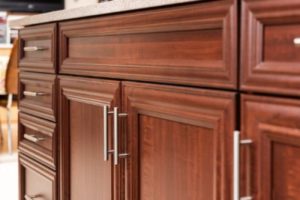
37,95
38,48
37,181
271,46
37,139
191,45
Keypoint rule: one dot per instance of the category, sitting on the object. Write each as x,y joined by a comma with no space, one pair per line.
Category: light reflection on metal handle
34,94
33,138
34,48
27,197
236,165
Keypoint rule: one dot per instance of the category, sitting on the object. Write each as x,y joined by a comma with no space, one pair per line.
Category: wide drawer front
271,47
38,48
37,181
191,45
37,139
37,95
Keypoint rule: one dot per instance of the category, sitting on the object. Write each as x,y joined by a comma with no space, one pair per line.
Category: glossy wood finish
36,180
273,125
43,151
84,174
41,106
192,45
270,59
179,141
42,36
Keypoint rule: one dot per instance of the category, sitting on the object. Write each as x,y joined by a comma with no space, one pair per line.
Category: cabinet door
84,173
273,125
179,142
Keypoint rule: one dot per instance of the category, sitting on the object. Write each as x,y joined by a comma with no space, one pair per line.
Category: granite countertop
106,7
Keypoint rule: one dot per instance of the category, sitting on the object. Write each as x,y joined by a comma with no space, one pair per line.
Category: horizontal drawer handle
34,94
28,197
33,138
297,41
29,49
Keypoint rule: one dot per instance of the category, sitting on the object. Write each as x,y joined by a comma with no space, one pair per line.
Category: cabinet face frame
217,72
211,110
269,76
272,123
88,91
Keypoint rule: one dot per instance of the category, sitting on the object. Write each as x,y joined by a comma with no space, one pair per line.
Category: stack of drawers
38,116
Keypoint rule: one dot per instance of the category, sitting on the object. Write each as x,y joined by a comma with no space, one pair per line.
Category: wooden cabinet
83,172
273,126
175,136
146,105
271,46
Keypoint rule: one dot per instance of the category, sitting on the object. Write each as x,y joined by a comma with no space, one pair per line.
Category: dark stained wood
270,59
273,125
179,141
193,45
44,151
40,106
41,36
35,179
83,172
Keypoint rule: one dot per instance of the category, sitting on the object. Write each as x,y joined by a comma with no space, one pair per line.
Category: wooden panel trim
221,73
36,152
25,162
257,74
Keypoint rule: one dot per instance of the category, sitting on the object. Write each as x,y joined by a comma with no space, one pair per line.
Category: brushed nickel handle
33,138
34,48
116,133
236,165
34,94
105,132
28,197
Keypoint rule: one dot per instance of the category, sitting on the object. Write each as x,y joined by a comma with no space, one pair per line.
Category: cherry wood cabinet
179,142
273,125
198,101
83,172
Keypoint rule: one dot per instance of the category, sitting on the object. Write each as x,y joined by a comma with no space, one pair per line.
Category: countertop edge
107,7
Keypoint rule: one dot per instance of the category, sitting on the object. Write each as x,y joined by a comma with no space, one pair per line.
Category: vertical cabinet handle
116,136
236,165
115,149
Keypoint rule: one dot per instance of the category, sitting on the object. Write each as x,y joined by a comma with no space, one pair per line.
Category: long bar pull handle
236,165
34,94
116,136
28,197
34,48
105,132
33,138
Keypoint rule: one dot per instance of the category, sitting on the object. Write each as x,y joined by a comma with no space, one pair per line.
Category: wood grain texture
83,172
179,141
270,59
40,106
41,36
35,179
273,125
44,151
191,44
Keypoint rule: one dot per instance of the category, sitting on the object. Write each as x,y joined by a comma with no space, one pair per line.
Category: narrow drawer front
38,48
191,45
271,47
37,181
37,139
37,95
